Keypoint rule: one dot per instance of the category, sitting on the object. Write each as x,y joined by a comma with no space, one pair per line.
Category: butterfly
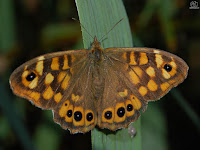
100,87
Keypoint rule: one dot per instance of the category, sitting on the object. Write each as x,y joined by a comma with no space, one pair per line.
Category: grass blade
93,15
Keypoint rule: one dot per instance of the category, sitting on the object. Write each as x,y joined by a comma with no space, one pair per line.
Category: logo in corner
193,5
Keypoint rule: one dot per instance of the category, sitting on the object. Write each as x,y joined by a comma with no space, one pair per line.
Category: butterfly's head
95,44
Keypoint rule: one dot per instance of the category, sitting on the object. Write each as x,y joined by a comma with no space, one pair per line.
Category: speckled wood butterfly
103,87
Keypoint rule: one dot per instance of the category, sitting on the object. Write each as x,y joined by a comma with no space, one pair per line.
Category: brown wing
77,112
57,81
118,106
40,79
133,77
155,70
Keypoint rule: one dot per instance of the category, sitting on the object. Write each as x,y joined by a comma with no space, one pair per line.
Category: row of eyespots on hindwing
76,115
121,110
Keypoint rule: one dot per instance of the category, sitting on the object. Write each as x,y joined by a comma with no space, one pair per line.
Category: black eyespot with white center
129,107
69,113
168,67
108,115
78,116
121,111
31,76
89,116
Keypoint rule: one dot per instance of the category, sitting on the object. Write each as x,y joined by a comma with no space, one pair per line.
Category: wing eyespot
121,111
108,115
129,107
69,113
168,67
78,116
29,79
31,76
89,116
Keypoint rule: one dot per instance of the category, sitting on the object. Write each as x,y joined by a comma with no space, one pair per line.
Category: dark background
29,28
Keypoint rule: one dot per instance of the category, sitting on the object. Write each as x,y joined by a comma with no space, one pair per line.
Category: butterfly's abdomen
98,83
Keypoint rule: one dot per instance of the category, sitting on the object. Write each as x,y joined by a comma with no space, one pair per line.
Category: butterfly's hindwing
118,106
78,110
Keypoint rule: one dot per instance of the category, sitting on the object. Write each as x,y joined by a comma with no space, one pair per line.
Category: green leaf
46,138
93,14
7,26
154,128
7,108
98,17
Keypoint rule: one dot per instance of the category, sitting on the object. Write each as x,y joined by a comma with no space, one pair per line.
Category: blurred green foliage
30,28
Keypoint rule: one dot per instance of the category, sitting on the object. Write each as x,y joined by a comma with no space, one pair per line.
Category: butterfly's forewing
153,72
43,80
134,77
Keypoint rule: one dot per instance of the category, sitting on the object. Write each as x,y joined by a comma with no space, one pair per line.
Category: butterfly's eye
121,111
108,115
78,116
31,76
129,107
168,67
89,116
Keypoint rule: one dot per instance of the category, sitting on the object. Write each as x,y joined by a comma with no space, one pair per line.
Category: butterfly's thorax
96,52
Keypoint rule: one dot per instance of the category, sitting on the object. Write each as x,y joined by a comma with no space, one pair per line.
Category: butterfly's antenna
83,27
111,29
